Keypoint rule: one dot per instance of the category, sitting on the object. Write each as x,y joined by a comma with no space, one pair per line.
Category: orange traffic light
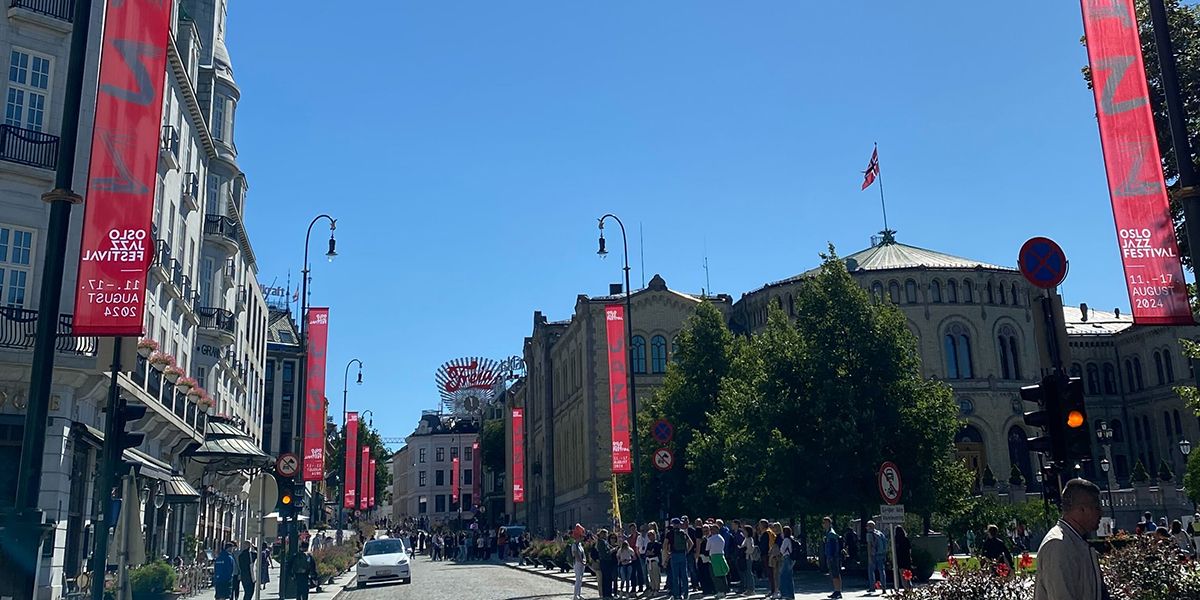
286,499
1075,419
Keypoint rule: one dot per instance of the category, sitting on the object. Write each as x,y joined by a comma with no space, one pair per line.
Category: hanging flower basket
196,394
185,384
173,373
161,361
205,402
146,347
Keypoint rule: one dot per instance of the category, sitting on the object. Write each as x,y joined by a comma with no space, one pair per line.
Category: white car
384,560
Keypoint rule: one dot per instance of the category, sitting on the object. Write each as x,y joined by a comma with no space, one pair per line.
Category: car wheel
361,585
407,580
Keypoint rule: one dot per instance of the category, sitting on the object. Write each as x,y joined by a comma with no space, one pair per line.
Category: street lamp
637,482
346,440
1104,434
1185,447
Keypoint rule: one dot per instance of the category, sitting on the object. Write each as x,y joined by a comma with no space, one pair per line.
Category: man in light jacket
1067,567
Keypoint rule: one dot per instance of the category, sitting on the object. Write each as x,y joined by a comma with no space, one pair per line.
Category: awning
179,491
227,448
143,464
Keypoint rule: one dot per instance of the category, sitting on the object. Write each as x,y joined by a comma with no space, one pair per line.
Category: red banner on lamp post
477,482
454,480
618,387
314,404
117,246
371,485
518,454
351,464
366,471
1145,232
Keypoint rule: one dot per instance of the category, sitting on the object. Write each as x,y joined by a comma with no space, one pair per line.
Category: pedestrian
832,549
994,548
877,548
787,588
970,541
224,566
639,549
264,567
1181,538
904,561
718,562
606,545
735,555
776,556
577,560
679,544
304,569
766,539
749,559
625,567
851,542
245,566
1067,567
653,556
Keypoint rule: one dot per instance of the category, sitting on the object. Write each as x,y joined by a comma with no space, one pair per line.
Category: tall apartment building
421,488
203,303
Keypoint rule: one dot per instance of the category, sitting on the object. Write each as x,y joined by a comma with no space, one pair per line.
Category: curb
567,578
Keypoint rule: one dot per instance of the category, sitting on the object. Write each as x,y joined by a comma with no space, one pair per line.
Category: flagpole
882,204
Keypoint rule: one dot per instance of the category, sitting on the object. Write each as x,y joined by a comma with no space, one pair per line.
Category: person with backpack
877,549
224,567
679,544
832,548
304,569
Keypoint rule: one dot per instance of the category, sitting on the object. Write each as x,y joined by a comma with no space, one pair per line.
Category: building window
988,295
1015,299
791,306
1076,370
453,452
468,477
935,292
1169,366
439,503
466,502
16,260
422,505
422,478
421,453
439,477
910,291
1093,379
877,291
1010,363
658,354
468,453
1000,293
1118,434
894,292
1110,379
639,354
1137,372
957,345
952,292
1178,424
439,455
1158,367
28,85
218,117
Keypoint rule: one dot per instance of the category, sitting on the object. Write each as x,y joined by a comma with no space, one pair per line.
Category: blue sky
467,149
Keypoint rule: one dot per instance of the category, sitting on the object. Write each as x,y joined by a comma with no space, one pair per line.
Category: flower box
146,347
173,373
161,361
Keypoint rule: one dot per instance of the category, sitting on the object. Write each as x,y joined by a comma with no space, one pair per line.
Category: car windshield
383,547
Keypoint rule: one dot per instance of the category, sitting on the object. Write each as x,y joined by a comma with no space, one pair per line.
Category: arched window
1169,366
877,291
968,291
1158,367
1118,430
1149,438
1016,300
935,292
957,342
791,306
910,291
1137,372
1010,363
1093,380
894,292
1000,295
1110,379
639,354
1178,425
1076,370
1018,451
952,291
988,295
658,354
1166,423
1129,376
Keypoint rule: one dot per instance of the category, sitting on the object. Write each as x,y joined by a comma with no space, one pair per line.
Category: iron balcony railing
170,140
226,227
175,268
219,319
28,147
59,9
18,328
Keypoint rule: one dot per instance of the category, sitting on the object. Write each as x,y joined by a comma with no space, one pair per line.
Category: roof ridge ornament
888,237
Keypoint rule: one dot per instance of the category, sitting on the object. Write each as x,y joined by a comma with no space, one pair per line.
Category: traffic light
126,414
1077,438
288,501
1047,417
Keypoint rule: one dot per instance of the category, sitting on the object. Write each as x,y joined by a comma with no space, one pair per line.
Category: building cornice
195,115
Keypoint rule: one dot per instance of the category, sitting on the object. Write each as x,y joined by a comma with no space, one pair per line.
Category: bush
151,579
1016,477
989,478
1139,475
1148,569
986,580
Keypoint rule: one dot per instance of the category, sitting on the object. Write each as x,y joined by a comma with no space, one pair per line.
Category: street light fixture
346,441
1104,434
1185,447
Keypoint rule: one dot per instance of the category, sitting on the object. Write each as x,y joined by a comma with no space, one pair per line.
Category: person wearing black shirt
994,548
653,562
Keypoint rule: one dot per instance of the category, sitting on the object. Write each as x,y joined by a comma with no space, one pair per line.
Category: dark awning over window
179,491
143,464
227,448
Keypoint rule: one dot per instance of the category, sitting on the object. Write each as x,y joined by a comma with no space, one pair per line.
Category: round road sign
890,486
287,465
663,431
1043,262
664,459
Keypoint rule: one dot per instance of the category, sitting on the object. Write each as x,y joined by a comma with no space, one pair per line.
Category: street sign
663,431
890,485
1043,262
664,459
891,514
287,465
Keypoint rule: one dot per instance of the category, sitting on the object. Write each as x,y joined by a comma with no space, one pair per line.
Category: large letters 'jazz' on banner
518,455
314,404
1149,252
618,387
351,464
117,246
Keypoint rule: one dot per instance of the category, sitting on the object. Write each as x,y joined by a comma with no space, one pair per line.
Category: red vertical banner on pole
618,387
1145,232
518,455
314,404
117,246
371,485
454,480
351,464
477,482
366,471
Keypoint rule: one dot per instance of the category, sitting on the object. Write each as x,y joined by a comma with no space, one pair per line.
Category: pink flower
946,573
1026,561
906,574
1003,570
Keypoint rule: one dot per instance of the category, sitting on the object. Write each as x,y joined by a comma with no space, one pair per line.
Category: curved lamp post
1104,435
346,442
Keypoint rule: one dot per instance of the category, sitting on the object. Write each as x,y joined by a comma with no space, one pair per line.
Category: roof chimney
1084,311
614,289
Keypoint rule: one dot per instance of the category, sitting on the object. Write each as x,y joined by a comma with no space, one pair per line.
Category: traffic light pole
108,468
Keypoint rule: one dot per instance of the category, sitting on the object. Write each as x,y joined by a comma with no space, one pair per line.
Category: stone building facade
421,490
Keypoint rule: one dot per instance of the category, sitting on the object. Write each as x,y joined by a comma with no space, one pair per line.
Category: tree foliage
335,461
491,446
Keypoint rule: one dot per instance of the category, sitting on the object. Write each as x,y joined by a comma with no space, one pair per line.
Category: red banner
314,404
618,387
366,472
454,480
518,455
477,482
1149,252
371,485
117,246
351,465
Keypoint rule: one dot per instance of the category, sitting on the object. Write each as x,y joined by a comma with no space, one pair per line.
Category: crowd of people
469,545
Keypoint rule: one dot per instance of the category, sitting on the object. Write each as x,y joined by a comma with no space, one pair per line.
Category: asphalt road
473,581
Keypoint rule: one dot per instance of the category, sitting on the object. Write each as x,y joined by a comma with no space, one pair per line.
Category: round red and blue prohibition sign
663,431
1043,262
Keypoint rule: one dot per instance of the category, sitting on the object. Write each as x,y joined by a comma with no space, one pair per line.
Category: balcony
18,328
190,194
153,384
168,149
217,323
222,232
28,147
61,11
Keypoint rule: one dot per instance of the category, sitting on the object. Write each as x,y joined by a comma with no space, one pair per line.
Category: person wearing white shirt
715,547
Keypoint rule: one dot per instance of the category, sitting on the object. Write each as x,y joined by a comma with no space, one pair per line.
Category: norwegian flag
872,170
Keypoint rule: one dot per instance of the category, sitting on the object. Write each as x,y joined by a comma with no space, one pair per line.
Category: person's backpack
679,540
593,553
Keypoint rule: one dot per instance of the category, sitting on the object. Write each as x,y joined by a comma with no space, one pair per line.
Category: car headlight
363,563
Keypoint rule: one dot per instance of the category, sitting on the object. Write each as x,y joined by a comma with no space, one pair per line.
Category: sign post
890,488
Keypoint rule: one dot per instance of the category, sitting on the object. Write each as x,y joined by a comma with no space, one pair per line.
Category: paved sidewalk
271,591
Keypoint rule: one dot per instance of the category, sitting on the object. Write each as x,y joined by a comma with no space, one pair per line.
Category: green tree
1191,478
368,436
491,446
